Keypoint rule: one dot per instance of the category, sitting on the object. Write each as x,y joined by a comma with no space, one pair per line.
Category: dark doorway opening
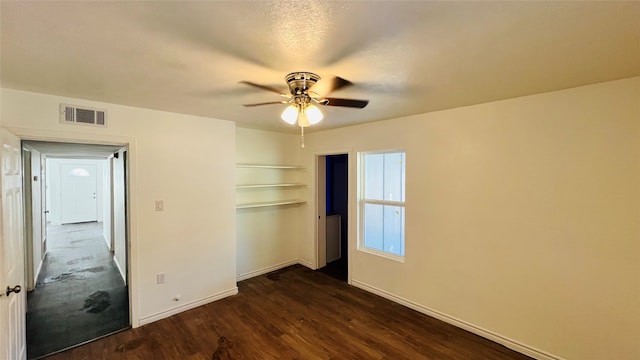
337,207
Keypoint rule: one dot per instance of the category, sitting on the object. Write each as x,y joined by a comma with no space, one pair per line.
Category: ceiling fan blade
344,102
266,103
264,87
327,85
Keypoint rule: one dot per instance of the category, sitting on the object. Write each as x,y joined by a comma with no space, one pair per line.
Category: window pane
384,228
373,176
394,176
373,226
79,172
383,185
384,176
393,229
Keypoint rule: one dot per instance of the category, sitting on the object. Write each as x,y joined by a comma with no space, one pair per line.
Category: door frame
131,200
320,206
35,237
29,282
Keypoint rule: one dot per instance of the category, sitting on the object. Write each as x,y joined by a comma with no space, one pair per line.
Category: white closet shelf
269,203
278,185
263,166
255,186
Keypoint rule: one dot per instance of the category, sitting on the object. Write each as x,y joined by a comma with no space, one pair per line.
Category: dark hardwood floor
295,313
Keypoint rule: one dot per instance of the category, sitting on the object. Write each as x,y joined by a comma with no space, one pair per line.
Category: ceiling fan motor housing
304,91
300,82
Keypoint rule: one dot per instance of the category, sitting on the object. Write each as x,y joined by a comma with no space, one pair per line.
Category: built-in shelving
269,203
261,185
258,166
254,186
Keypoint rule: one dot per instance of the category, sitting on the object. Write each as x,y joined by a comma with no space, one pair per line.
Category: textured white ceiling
405,57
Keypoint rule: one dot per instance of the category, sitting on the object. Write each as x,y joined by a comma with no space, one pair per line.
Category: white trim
132,197
352,196
194,304
384,254
37,275
306,263
104,237
265,270
488,334
384,202
269,269
122,274
362,201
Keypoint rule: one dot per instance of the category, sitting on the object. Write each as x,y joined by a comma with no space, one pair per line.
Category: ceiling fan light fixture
303,119
313,114
290,114
303,91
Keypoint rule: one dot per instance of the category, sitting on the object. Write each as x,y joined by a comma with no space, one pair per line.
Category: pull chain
301,136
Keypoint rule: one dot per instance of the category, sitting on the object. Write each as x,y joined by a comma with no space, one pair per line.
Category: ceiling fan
306,90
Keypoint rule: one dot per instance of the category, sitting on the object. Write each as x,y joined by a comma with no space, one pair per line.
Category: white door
12,300
78,191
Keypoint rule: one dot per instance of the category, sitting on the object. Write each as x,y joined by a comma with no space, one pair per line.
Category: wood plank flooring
295,313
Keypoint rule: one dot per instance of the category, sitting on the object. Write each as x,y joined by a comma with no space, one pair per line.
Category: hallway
79,295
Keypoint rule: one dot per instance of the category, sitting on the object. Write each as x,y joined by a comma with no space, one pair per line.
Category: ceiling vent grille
70,114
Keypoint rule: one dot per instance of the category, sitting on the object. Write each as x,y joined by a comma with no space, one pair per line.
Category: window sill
383,254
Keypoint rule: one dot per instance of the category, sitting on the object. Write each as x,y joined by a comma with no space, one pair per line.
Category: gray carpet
79,294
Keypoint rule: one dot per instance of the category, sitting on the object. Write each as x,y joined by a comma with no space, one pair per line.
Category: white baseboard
37,274
164,314
122,274
306,264
188,306
106,241
503,340
265,270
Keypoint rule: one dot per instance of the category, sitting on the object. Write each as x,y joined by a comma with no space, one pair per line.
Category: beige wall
522,218
187,162
267,237
522,215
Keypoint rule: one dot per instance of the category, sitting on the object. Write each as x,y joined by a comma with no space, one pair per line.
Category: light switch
159,205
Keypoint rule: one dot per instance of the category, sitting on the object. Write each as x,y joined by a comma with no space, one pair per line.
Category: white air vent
70,114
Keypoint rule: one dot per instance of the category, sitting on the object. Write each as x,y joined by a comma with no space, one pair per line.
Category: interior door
12,299
78,191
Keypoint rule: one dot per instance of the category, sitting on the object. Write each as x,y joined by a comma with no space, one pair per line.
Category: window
382,197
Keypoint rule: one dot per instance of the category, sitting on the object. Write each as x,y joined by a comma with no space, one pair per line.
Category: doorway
79,191
77,270
333,208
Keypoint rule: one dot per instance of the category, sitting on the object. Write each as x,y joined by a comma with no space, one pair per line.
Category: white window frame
362,202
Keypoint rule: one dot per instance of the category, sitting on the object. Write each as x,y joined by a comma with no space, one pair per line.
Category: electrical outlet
160,278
